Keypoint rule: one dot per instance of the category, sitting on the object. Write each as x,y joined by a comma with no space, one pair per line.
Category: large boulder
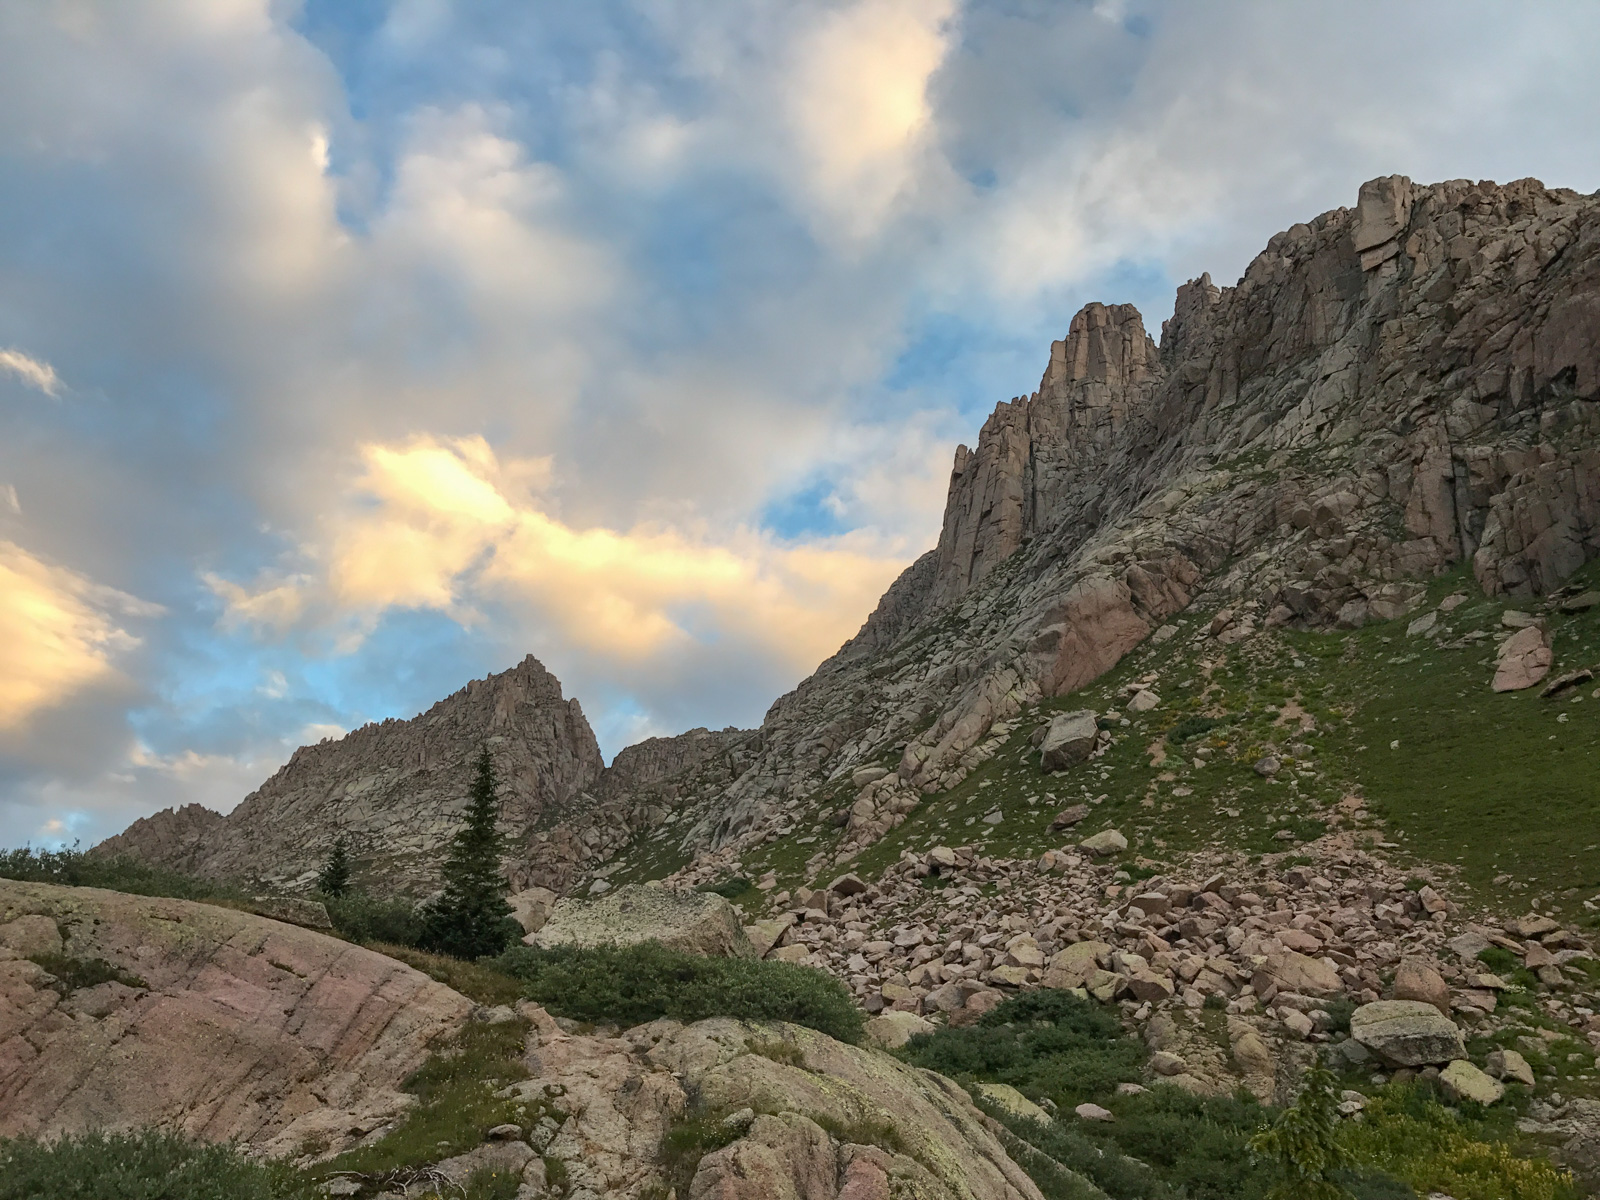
1069,740
694,922
220,1024
531,908
1523,661
1407,1033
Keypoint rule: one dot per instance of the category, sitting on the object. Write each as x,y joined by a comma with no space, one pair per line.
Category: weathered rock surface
695,922
1407,1033
1523,661
1069,740
621,1093
226,1025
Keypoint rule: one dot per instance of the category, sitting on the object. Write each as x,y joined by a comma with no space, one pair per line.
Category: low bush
141,1166
74,973
73,868
1046,1042
365,918
1406,1132
1193,727
728,889
634,984
480,981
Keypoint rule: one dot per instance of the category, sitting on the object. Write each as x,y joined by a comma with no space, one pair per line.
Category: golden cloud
56,636
444,525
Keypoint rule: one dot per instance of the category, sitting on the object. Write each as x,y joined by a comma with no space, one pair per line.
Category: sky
351,350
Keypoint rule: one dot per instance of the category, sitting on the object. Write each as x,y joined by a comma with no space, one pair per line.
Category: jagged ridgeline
1390,391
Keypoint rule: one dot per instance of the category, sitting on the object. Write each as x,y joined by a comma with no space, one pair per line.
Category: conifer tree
334,880
470,917
1304,1143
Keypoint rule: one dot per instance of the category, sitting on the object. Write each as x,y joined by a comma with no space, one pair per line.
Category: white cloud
40,376
857,101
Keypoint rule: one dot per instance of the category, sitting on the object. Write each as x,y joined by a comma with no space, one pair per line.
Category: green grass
634,984
148,1165
456,1108
1489,784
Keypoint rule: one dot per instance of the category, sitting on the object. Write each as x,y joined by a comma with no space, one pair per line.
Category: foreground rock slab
225,1025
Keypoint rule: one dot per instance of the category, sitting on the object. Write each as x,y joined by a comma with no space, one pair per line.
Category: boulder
1523,661
1508,1064
531,907
1463,1081
1069,817
892,1030
943,1147
1069,740
865,775
1144,701
501,1157
765,935
1073,966
1104,843
1407,1033
227,1025
1093,1112
1415,979
30,935
694,922
1291,971
1012,1102
847,885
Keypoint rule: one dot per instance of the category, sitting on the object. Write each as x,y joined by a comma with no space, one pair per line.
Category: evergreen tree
1304,1142
470,917
335,877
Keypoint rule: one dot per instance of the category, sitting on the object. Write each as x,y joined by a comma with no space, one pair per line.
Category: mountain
396,790
1390,393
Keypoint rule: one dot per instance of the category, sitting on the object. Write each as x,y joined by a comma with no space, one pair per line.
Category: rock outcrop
221,1024
815,1119
1389,390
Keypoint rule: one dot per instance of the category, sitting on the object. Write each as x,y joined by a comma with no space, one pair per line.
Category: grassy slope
1490,784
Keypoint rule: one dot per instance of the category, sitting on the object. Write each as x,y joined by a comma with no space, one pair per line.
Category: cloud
857,100
444,525
59,634
40,376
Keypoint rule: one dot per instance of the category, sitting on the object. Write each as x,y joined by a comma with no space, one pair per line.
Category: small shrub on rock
149,1165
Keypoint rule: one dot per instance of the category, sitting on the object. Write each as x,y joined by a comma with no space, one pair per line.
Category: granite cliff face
1389,390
